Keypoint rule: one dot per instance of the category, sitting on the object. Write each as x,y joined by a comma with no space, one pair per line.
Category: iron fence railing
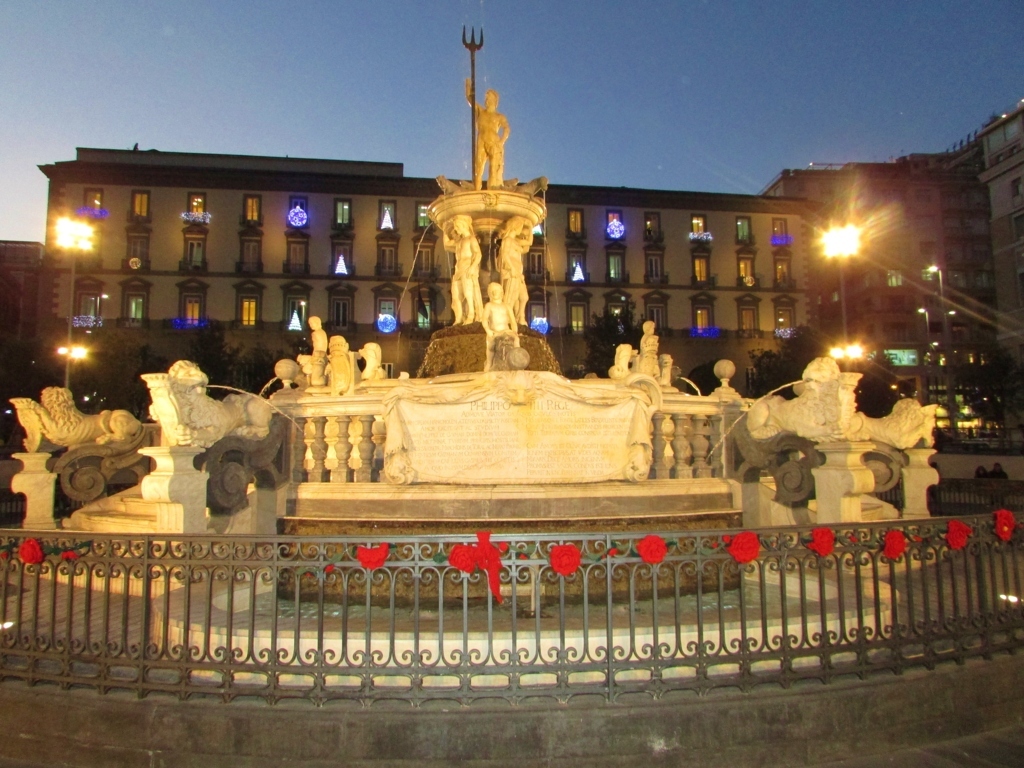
971,496
446,618
12,508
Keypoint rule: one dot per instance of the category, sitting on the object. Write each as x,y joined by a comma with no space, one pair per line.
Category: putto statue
823,410
624,354
370,353
490,141
502,335
648,361
908,424
188,416
55,421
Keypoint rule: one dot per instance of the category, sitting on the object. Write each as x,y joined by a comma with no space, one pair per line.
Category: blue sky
693,94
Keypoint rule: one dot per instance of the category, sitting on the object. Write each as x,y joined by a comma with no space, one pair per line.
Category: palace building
259,244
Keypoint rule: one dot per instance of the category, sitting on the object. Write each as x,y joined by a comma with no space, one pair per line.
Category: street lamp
72,236
841,243
849,352
946,346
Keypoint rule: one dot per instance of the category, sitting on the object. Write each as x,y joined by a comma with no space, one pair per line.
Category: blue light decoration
297,217
188,323
711,332
785,333
195,218
295,324
387,323
779,240
700,237
341,268
615,229
86,212
540,324
87,321
577,274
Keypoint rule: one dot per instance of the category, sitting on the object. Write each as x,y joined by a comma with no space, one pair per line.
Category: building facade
922,287
20,263
259,244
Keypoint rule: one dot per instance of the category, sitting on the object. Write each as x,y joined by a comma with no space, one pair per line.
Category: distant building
919,211
258,244
1003,142
20,263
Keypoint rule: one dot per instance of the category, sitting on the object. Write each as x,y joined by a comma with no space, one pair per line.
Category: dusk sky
694,94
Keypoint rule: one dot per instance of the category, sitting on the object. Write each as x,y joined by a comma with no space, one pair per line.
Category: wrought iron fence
12,508
975,496
443,618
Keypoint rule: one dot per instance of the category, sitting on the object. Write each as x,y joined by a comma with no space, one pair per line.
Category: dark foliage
607,332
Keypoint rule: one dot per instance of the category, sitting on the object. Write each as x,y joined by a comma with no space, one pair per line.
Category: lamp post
72,236
841,243
946,346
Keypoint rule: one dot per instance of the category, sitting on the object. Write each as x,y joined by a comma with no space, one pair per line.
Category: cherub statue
648,362
318,363
624,354
188,416
340,359
500,327
371,354
55,421
466,299
516,238
490,141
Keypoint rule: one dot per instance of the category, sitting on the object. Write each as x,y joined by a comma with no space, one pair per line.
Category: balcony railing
537,277
135,264
295,267
192,266
370,620
249,267
785,284
620,277
707,282
659,279
571,276
387,270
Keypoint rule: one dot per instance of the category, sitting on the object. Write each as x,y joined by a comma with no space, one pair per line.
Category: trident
472,46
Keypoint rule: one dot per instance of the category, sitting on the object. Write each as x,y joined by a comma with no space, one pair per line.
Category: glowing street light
849,352
72,236
841,243
73,353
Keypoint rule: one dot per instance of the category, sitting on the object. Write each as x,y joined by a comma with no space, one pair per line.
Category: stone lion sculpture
55,420
823,410
188,416
907,424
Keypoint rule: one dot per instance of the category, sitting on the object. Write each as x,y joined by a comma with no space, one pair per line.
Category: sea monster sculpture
56,420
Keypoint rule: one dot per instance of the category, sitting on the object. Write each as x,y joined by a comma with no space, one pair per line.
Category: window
1015,187
422,217
298,212
748,318
341,261
700,269
138,248
782,272
652,225
654,263
298,251
535,311
250,256
252,209
957,278
423,312
1018,226
575,223
341,311
135,308
577,266
614,226
702,318
698,224
248,311
745,267
192,309
656,313
893,278
89,304
614,267
743,235
535,264
984,279
388,307
783,318
386,215
342,213
295,313
93,198
140,204
196,202
194,250
577,317
538,231
387,262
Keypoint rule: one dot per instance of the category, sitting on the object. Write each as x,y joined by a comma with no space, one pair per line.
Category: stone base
463,349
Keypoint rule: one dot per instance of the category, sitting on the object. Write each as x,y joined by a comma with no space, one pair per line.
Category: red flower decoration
330,568
895,544
31,552
565,559
69,554
957,534
823,541
4,555
372,557
652,549
1005,523
744,547
463,557
611,552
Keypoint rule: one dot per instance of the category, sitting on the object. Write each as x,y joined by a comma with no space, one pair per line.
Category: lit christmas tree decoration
295,324
341,268
577,274
386,222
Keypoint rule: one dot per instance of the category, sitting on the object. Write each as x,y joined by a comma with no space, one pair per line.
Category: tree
878,390
776,368
214,356
608,331
993,389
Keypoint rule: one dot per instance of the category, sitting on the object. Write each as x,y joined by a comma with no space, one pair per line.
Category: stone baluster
318,449
342,449
715,459
667,462
365,472
658,443
700,445
379,436
681,446
299,450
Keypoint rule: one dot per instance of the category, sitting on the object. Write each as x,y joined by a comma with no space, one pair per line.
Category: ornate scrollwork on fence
87,469
234,462
787,457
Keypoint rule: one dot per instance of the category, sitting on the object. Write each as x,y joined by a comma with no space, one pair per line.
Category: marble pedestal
918,476
176,489
38,485
840,482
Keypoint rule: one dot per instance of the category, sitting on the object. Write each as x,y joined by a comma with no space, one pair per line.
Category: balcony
621,277
238,325
249,267
249,223
576,237
709,332
578,276
387,270
701,238
295,268
425,273
750,281
784,284
659,279
135,264
141,323
654,236
192,266
749,333
537,277
134,218
708,282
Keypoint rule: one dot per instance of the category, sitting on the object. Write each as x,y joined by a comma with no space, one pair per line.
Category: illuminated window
784,317
422,217
93,198
614,267
698,223
89,304
194,250
342,260
702,318
196,202
577,266
249,310
342,212
577,317
252,209
743,235
140,204
295,312
575,224
782,271
614,226
652,225
700,269
893,278
387,307
423,313
780,227
386,215
135,306
745,264
192,309
748,318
